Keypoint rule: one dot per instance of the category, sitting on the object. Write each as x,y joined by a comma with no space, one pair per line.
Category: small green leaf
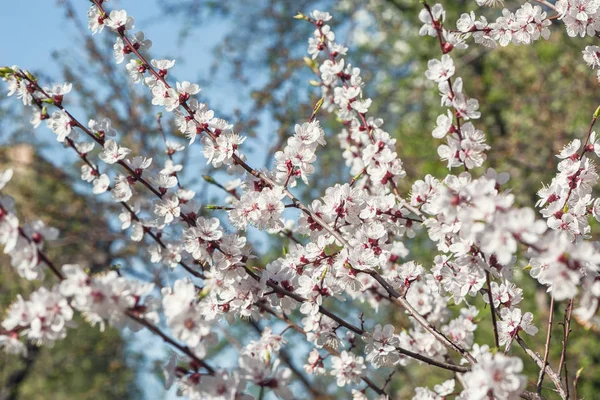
332,249
299,15
317,108
208,179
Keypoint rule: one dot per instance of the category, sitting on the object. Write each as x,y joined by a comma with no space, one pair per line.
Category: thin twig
563,354
287,360
398,299
547,347
357,330
540,363
492,309
575,381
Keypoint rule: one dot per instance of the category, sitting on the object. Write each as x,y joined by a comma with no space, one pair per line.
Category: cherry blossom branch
544,366
398,299
445,49
420,319
283,317
353,328
184,349
587,147
147,230
84,158
286,359
160,77
74,122
129,313
168,151
360,331
132,173
364,125
40,255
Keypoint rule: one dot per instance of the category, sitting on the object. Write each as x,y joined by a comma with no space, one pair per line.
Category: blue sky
31,30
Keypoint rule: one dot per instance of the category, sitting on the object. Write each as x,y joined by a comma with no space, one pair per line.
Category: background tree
91,364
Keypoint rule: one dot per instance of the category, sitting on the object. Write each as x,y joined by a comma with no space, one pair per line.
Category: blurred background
247,56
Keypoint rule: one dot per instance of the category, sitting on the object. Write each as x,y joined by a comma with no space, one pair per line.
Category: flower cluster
465,145
107,297
494,375
42,319
366,146
22,243
297,157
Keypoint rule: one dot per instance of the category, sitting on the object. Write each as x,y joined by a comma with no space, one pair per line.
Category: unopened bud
116,268
312,64
208,178
317,108
447,48
323,274
299,15
6,71
203,293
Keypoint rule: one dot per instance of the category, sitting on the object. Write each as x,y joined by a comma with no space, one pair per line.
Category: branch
398,299
286,359
491,300
359,331
129,313
547,347
563,353
551,374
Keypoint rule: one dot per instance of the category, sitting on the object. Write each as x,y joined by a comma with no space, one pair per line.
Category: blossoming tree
351,245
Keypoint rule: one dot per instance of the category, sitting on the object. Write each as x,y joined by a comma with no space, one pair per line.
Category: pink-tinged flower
347,368
101,184
430,26
118,20
60,123
112,152
95,20
440,70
